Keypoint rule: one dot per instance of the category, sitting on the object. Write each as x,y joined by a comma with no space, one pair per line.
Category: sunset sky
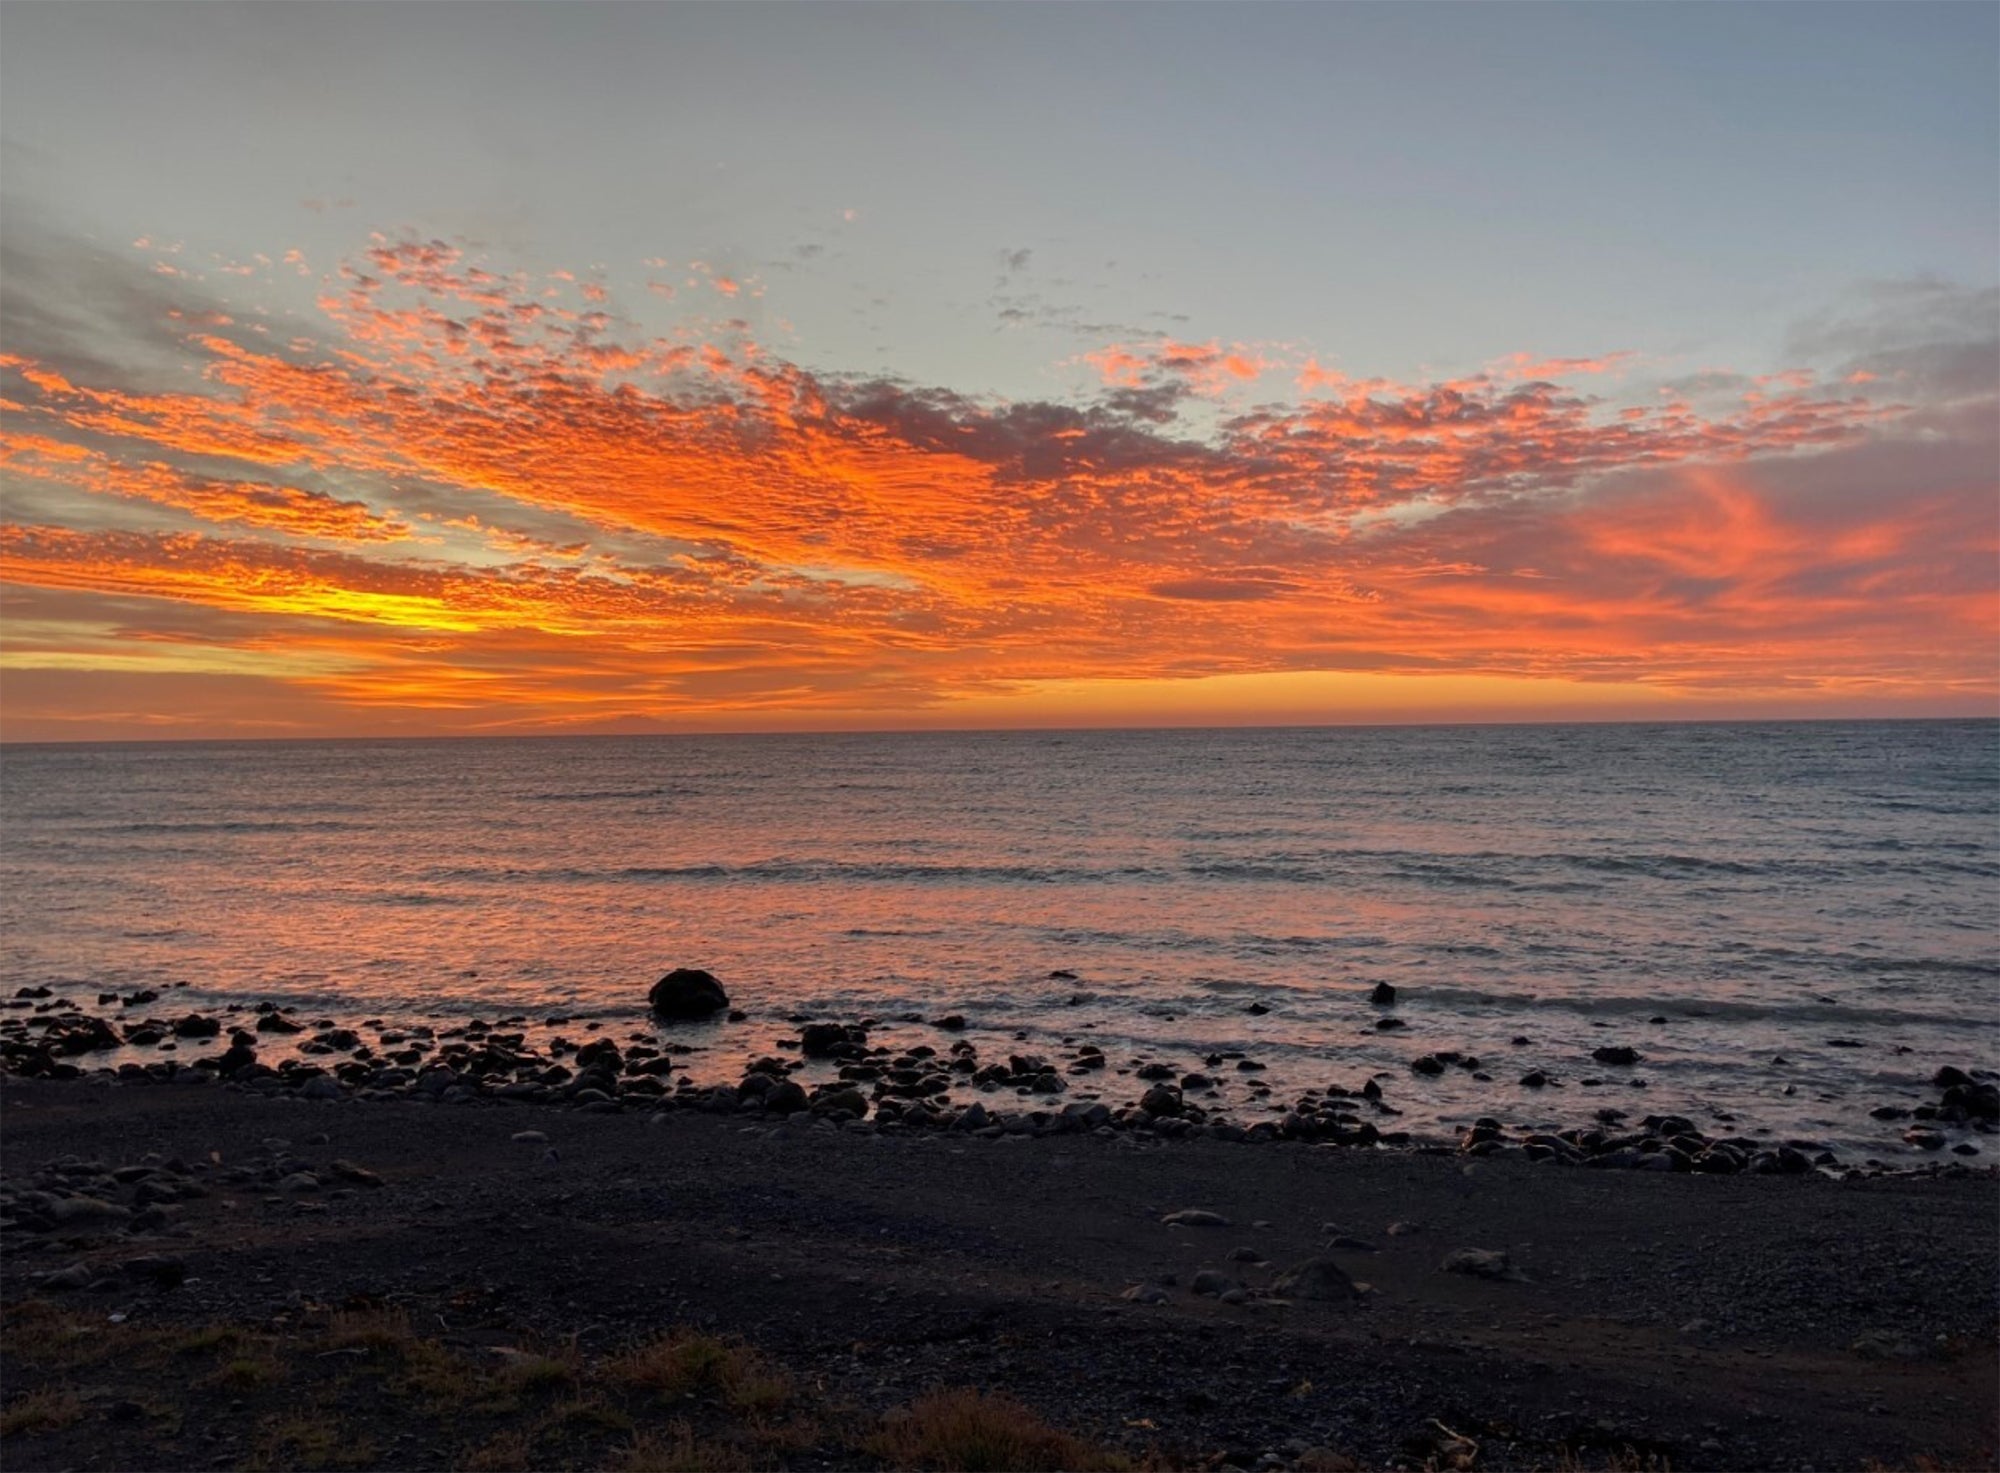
427,369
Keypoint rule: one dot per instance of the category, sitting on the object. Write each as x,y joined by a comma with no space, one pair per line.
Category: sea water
1742,903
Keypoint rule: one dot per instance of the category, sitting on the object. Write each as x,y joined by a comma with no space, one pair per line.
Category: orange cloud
622,526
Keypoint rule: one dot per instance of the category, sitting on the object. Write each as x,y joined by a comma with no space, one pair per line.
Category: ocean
1791,922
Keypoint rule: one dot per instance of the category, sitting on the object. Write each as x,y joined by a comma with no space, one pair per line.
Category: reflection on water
1768,886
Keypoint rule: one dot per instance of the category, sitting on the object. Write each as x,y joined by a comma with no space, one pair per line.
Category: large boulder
687,992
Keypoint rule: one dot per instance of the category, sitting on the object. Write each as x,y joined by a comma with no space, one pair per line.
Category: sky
440,369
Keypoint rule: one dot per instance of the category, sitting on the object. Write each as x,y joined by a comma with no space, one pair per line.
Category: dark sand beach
1640,1319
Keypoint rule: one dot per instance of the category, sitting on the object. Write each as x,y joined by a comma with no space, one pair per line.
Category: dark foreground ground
702,1291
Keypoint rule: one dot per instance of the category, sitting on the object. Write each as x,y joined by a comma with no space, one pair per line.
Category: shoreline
842,1074
1157,1296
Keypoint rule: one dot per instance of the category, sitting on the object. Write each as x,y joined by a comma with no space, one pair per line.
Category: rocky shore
916,1074
1129,1271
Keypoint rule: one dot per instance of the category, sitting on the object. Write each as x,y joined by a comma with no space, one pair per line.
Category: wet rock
1194,1217
1426,1064
824,1040
974,1116
1616,1054
950,1022
687,992
1383,996
1479,1263
853,1101
194,1025
1535,1079
1161,1099
785,1097
1317,1279
1257,1010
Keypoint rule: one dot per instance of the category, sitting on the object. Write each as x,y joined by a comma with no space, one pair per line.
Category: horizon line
1023,730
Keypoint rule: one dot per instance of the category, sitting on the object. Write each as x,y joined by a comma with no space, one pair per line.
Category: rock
165,1273
1425,1064
1257,1010
1886,1345
1616,1054
1245,1255
1383,996
851,1100
1404,1229
299,1181
687,992
973,1117
194,1025
320,1087
1145,1294
531,1137
786,1096
76,1276
1316,1278
278,1023
950,1022
1211,1284
1194,1217
84,1211
361,1176
822,1040
1161,1099
1479,1263
1535,1079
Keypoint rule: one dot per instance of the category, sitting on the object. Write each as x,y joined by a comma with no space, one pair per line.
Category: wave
235,826
611,795
1692,1008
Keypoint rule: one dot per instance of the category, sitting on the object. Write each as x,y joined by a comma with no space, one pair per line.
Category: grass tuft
678,1450
969,1431
690,1364
48,1410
